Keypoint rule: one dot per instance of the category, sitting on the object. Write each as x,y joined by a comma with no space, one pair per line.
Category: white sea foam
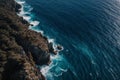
54,44
47,71
23,13
39,31
35,23
64,70
30,9
57,75
54,69
20,2
27,18
57,57
59,71
51,40
22,8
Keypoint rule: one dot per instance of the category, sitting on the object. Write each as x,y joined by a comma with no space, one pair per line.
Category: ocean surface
89,31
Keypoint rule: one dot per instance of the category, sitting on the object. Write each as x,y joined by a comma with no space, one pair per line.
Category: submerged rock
51,49
55,52
59,47
31,25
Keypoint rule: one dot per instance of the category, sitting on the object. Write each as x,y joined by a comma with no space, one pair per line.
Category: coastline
25,51
54,47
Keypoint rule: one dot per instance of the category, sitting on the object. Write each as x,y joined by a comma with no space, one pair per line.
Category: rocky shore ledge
21,49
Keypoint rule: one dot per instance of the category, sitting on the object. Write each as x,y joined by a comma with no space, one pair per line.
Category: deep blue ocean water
89,31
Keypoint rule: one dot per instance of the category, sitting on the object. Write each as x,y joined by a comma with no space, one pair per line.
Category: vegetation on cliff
20,48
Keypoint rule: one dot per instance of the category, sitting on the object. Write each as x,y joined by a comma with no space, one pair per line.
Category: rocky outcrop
10,5
36,44
52,50
20,48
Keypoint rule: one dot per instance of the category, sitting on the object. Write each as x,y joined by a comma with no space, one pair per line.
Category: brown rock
20,48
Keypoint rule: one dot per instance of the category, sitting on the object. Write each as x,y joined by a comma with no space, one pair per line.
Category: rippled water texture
89,30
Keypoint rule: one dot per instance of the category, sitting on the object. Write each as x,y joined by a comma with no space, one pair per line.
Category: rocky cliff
20,48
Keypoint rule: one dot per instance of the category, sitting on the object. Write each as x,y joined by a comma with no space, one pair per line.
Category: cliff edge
20,48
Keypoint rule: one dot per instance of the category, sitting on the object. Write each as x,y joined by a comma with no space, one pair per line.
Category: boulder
59,47
51,49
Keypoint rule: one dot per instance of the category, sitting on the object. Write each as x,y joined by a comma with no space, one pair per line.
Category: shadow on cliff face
10,5
20,48
36,44
13,70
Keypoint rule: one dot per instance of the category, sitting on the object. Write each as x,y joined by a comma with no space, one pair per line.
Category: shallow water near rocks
89,31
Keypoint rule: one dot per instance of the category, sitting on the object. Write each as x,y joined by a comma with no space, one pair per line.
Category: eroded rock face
20,48
51,49
36,44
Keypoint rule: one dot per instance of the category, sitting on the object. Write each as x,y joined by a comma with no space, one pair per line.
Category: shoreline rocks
54,51
21,49
59,47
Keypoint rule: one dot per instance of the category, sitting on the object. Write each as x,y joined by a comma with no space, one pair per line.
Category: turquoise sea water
89,31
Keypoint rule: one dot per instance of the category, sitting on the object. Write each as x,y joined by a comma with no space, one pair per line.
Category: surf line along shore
33,23
21,48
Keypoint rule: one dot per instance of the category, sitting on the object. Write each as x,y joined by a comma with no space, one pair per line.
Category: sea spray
25,12
57,66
